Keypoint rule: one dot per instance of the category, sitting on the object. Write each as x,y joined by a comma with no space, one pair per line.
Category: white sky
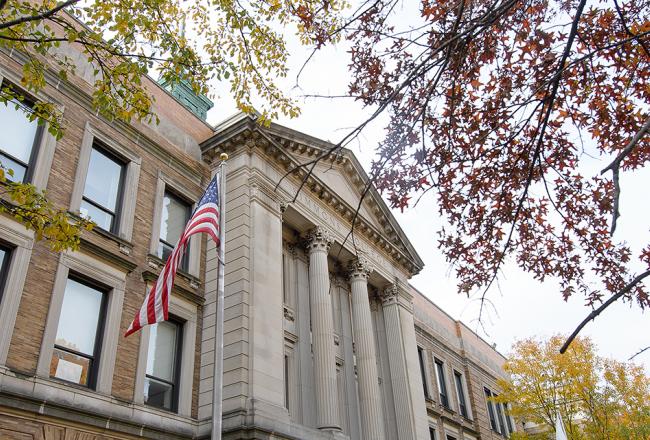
523,306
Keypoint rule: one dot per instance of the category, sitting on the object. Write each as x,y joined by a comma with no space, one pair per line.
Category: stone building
324,337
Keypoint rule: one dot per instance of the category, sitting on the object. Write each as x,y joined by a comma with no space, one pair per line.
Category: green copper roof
197,104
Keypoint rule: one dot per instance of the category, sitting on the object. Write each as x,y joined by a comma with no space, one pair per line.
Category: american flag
205,219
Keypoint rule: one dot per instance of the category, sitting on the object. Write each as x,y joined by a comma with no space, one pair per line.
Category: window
423,372
77,345
19,139
5,257
103,189
432,433
450,437
175,214
286,381
507,416
162,374
502,425
442,384
490,406
462,405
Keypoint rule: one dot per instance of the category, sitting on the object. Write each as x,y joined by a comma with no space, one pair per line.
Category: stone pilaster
372,422
322,328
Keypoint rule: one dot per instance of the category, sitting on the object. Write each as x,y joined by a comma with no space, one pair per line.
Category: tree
183,41
598,398
497,106
195,41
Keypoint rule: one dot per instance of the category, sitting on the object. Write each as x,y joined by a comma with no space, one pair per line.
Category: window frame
166,183
459,382
99,146
95,359
180,326
186,312
44,146
185,259
28,101
491,410
442,383
114,279
423,372
21,241
6,264
129,185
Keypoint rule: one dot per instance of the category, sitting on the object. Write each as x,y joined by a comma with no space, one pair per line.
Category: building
324,337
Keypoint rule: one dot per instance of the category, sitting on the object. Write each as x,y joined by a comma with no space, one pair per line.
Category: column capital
318,238
359,267
389,294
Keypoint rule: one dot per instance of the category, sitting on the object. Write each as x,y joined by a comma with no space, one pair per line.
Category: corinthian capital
359,268
389,294
318,239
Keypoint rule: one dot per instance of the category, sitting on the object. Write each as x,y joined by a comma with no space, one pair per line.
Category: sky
523,307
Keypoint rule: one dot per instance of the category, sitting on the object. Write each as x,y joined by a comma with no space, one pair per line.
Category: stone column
397,363
322,329
372,422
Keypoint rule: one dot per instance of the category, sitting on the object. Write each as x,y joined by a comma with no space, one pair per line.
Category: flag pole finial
223,157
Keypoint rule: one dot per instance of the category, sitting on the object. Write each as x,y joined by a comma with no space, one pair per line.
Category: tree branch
600,309
615,168
639,352
37,17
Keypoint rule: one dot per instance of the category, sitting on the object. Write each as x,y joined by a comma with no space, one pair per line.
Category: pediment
337,178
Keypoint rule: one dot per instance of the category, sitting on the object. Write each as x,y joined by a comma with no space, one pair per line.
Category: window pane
175,214
18,169
158,393
79,318
4,262
103,219
161,359
103,180
70,367
17,132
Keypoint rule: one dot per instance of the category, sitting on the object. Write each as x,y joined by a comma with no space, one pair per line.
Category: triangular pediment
334,175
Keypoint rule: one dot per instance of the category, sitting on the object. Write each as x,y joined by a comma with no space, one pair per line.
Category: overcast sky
523,307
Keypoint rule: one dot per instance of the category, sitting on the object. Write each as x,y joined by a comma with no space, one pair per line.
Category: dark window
78,336
423,372
286,381
502,425
461,394
450,437
507,415
103,190
163,365
490,405
5,257
175,214
432,433
18,140
442,384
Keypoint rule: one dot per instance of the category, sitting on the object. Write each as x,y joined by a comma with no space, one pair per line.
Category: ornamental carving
318,239
389,294
359,268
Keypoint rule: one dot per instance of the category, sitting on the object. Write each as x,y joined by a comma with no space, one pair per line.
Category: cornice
283,146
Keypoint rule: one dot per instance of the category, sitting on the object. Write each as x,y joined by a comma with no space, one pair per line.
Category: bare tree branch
600,309
615,168
41,16
638,353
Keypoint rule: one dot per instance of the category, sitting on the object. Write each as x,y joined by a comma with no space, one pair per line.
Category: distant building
324,337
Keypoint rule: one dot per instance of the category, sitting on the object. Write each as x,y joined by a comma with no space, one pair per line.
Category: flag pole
217,386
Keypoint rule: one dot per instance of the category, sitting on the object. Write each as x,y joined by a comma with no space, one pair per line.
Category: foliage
197,41
28,205
597,397
498,107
